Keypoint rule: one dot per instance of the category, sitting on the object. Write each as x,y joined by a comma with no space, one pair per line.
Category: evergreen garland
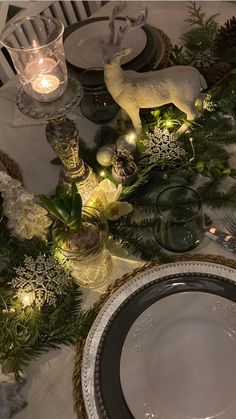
203,30
28,331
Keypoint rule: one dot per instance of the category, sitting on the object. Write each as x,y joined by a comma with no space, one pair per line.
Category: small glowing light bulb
27,299
169,124
102,173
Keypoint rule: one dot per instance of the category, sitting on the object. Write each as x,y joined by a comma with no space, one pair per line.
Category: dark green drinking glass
97,104
179,223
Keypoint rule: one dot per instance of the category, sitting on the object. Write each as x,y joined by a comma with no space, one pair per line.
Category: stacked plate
83,45
164,346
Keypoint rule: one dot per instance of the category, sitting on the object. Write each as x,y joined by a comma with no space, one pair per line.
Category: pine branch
28,332
146,205
211,196
201,36
197,16
143,179
146,224
146,249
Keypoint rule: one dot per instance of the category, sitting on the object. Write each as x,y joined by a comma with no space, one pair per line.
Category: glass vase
36,48
84,250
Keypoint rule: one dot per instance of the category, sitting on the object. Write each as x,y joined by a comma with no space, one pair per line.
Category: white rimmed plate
93,396
83,50
179,359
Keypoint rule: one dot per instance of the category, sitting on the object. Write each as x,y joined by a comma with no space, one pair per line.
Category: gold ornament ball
104,156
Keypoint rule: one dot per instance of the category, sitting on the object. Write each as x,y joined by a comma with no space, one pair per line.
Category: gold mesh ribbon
77,387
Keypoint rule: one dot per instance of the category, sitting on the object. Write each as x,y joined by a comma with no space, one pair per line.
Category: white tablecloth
49,385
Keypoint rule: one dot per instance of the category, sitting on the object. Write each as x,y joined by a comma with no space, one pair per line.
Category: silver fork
229,222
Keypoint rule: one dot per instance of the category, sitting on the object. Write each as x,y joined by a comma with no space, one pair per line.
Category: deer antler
115,13
132,23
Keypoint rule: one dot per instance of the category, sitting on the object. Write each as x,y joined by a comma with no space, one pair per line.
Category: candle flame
46,84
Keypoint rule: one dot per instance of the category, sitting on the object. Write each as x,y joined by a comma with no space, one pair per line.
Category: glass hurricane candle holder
36,48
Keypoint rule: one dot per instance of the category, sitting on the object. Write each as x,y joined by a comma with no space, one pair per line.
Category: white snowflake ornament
40,281
163,146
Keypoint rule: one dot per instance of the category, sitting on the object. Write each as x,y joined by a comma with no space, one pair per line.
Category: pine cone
226,35
123,162
216,72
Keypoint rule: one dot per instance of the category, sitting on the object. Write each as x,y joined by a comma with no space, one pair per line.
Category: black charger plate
108,388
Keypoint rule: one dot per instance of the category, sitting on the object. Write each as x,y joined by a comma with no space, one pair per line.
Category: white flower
105,198
110,190
117,209
104,194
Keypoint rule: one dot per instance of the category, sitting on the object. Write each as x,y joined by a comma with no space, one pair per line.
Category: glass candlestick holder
35,45
62,135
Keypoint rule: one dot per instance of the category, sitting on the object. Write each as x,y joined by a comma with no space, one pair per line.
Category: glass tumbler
36,48
97,104
179,223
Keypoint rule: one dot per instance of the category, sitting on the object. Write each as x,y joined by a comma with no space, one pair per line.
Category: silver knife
228,241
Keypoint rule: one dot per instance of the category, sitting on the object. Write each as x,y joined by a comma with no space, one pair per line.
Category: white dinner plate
101,371
179,359
83,49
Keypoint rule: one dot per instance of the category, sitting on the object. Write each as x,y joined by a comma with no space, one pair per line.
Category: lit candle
45,84
39,72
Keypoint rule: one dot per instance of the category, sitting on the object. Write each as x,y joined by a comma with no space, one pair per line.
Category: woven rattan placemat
165,61
77,388
10,166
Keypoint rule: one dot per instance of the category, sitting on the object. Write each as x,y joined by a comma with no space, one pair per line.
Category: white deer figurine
180,85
